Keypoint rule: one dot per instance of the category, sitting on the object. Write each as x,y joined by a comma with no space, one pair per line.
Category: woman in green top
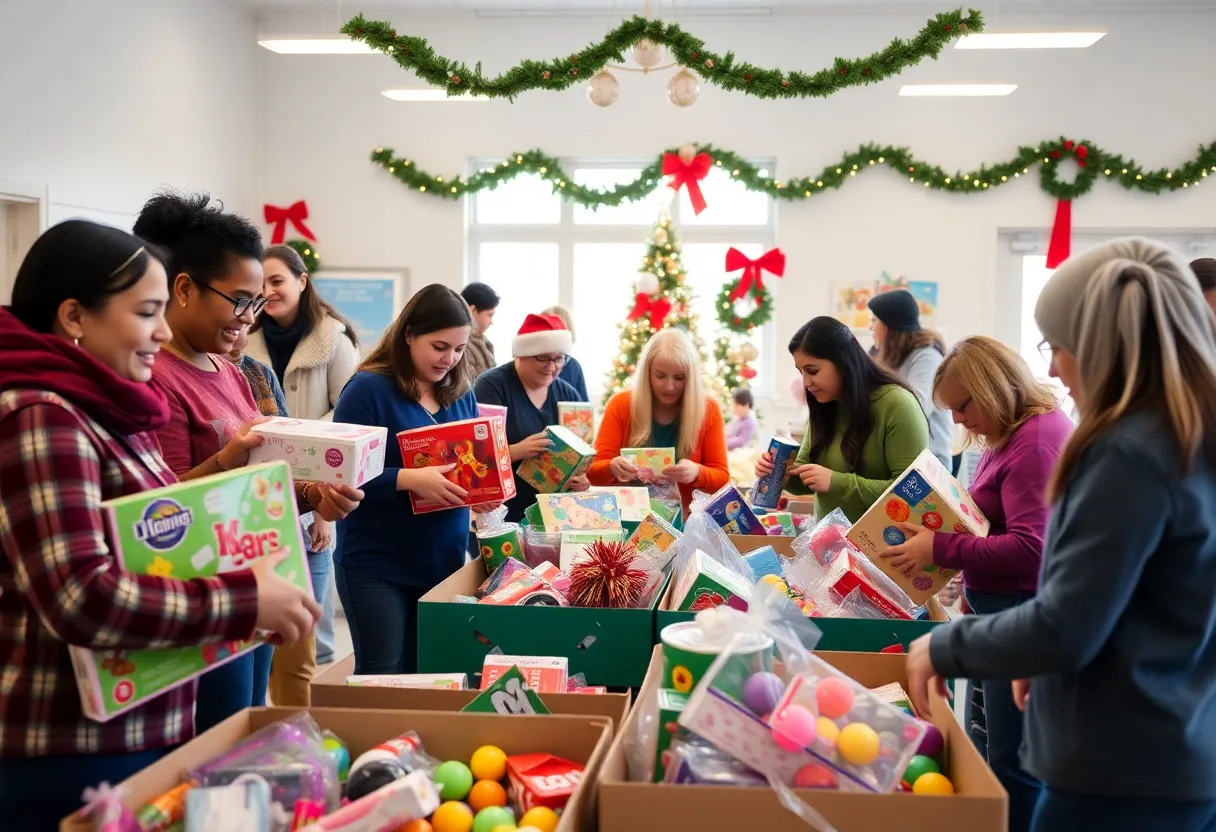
865,425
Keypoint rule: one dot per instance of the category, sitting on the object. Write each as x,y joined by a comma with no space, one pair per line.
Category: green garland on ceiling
415,54
1098,164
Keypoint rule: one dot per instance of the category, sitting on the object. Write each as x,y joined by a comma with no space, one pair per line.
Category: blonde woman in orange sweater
667,408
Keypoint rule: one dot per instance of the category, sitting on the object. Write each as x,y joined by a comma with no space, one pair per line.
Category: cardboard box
729,510
578,418
447,736
706,583
608,646
320,451
550,471
765,561
583,511
574,545
477,447
544,674
329,690
980,803
865,635
650,462
204,527
924,495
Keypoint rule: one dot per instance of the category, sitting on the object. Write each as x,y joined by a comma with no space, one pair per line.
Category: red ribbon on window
295,214
688,174
771,261
647,306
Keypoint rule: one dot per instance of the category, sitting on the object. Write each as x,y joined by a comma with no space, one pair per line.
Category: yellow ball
506,827
858,743
775,581
826,730
933,783
489,763
452,816
542,817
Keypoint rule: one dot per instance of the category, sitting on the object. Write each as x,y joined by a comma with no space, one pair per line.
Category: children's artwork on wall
850,299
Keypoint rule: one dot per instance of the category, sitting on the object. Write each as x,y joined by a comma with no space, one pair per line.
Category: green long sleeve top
900,433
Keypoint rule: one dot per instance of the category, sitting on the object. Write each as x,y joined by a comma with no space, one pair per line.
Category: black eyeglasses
1046,351
545,360
239,305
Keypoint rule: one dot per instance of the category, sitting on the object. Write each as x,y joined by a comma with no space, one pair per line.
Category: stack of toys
477,448
320,451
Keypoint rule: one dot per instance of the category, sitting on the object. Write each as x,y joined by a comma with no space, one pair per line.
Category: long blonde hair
1144,341
563,313
999,383
675,346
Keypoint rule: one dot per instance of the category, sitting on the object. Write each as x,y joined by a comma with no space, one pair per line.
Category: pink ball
793,727
933,743
834,697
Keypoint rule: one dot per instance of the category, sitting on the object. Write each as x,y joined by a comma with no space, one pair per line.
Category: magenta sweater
1010,487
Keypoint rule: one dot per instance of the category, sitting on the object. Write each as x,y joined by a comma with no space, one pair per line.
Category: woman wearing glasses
215,285
529,388
990,392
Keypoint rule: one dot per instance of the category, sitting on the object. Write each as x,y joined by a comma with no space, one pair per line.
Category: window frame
567,234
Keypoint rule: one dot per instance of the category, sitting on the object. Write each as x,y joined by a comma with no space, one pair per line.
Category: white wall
103,102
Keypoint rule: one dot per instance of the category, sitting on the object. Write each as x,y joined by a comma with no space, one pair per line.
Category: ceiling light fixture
428,94
1040,39
316,46
943,90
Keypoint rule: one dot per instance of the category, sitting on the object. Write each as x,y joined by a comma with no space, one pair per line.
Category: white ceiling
575,7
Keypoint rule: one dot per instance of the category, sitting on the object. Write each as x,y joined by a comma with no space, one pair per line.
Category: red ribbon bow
771,261
295,214
1060,245
688,174
656,309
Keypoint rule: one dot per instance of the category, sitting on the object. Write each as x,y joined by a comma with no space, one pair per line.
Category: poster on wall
369,300
850,299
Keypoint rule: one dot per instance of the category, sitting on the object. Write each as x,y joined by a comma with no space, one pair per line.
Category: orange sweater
709,451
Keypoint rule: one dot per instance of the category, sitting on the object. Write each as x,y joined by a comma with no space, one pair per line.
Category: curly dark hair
200,238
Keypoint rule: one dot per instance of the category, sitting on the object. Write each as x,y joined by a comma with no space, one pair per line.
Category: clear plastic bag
848,585
695,761
701,532
541,546
826,539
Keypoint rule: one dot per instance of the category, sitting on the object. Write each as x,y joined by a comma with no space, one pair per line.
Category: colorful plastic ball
454,779
489,763
491,817
417,826
933,783
834,697
506,827
793,727
858,743
815,776
334,748
541,817
827,730
762,691
933,743
452,816
918,766
487,793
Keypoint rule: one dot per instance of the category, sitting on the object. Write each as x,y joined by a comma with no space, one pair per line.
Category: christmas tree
662,298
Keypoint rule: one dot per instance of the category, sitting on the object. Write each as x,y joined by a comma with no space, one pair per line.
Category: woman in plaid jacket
76,416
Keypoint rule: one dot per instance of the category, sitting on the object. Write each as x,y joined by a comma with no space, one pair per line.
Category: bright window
1035,275
525,276
525,200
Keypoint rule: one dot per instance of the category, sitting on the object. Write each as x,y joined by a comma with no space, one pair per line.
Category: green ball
491,817
454,779
917,766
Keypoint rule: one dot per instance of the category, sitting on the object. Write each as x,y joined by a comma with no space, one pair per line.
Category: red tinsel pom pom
607,577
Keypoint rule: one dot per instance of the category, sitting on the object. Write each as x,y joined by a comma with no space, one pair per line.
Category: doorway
22,219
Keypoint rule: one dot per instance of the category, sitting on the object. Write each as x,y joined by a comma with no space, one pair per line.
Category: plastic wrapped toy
103,806
696,761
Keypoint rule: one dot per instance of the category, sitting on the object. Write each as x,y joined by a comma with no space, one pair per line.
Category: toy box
567,457
446,681
778,523
655,536
633,501
478,448
319,451
543,674
650,462
578,418
205,527
574,545
767,490
765,561
492,410
542,780
707,583
729,510
924,495
577,512
849,573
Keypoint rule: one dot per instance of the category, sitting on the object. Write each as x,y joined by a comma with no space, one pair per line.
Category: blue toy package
728,509
767,490
765,561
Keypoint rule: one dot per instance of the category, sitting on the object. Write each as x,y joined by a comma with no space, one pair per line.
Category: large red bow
688,174
771,261
295,214
656,309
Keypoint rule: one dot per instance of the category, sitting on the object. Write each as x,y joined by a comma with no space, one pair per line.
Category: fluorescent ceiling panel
1079,39
955,90
316,46
429,94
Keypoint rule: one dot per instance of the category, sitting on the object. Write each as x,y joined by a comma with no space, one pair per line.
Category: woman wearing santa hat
529,388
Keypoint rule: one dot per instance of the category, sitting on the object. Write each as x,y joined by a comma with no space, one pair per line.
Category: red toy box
542,780
478,448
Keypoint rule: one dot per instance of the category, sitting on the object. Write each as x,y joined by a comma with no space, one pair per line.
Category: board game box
477,447
320,451
567,457
587,510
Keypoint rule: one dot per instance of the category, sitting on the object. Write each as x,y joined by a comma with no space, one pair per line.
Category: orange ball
416,826
487,793
452,816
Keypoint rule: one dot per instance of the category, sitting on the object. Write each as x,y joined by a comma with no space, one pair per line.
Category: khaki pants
291,673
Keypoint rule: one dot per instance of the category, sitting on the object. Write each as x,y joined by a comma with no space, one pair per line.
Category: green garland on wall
415,54
1098,164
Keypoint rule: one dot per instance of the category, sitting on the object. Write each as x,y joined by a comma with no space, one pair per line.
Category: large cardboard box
608,646
980,804
862,635
329,690
448,736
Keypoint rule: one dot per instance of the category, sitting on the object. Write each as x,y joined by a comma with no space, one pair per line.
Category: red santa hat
541,335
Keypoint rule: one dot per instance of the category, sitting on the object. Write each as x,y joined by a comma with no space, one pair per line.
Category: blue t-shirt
501,386
383,537
572,374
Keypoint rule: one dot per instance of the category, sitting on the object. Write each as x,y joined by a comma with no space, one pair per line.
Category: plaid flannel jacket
60,584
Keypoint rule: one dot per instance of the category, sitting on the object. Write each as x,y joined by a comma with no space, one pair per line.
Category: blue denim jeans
1064,812
995,723
232,687
383,621
320,568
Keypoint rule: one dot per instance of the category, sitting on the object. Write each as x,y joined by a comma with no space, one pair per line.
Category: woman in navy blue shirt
390,557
